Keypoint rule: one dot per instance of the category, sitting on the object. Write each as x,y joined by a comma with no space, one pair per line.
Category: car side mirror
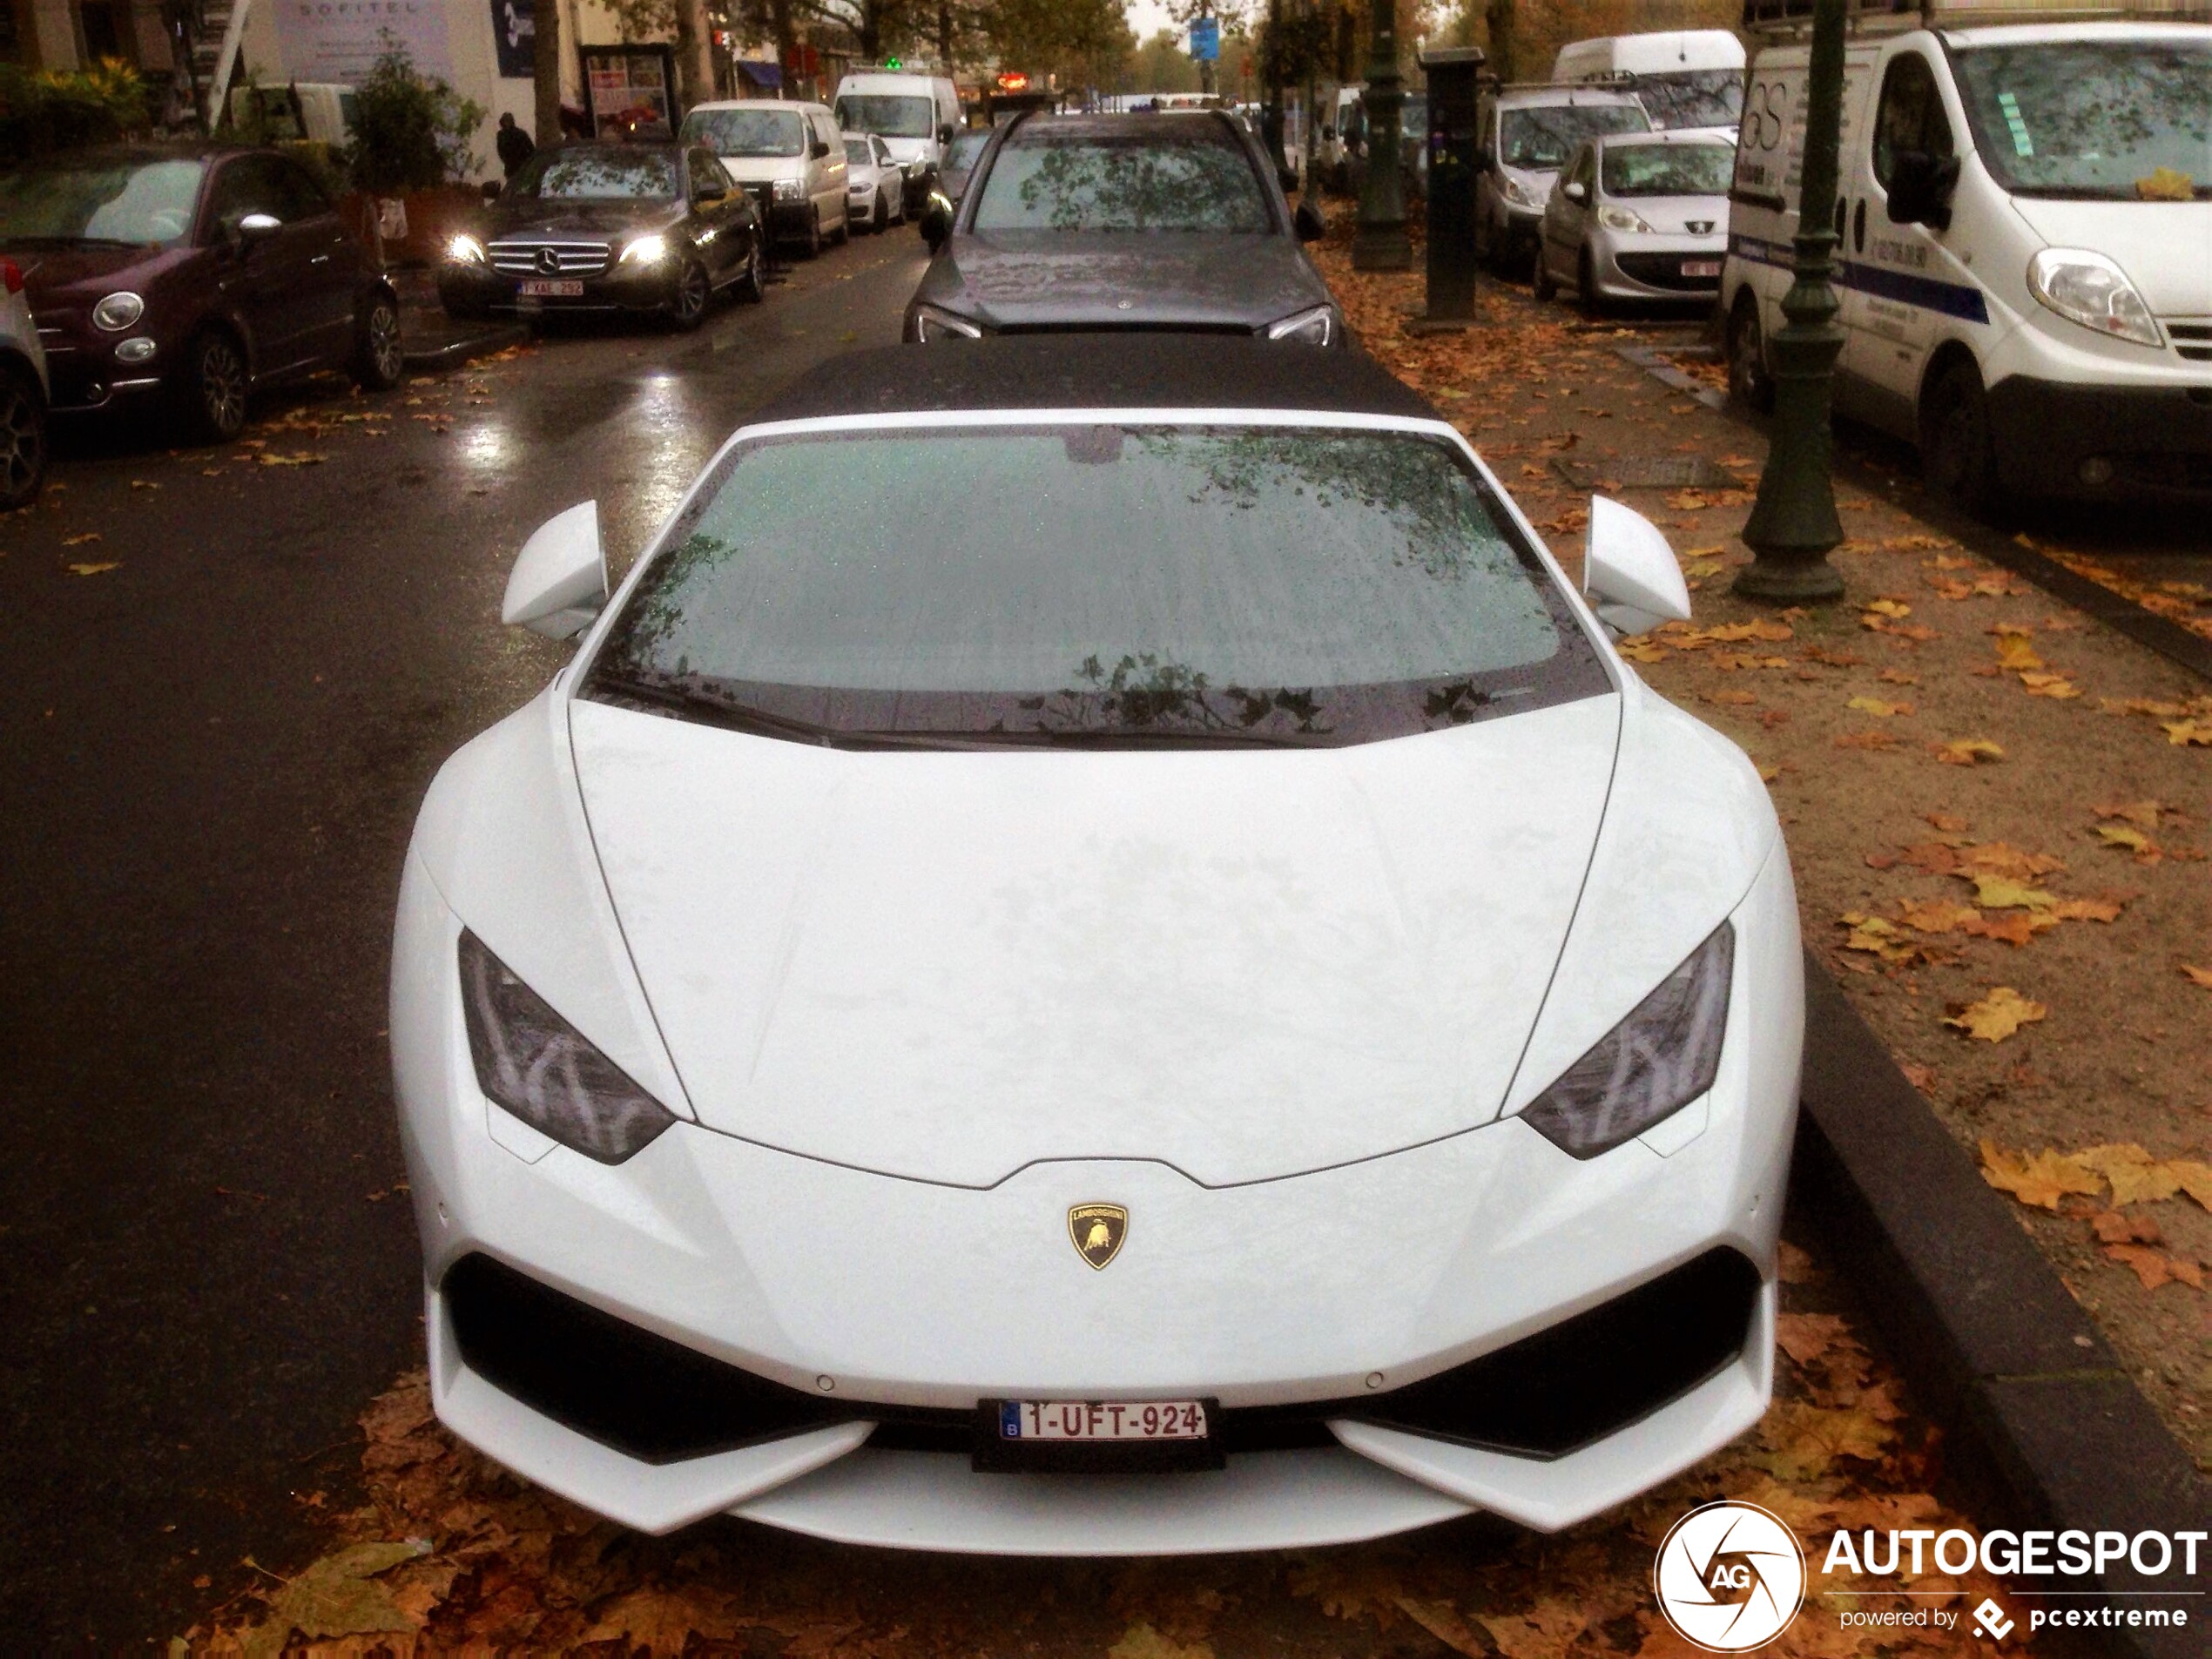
1309,223
258,227
1920,188
820,149
1629,575
945,133
1576,191
492,187
936,221
559,582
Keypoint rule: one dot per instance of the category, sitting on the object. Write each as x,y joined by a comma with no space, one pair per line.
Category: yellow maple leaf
2136,1177
1879,710
1966,752
1887,607
1937,915
94,569
2198,976
1734,698
1644,651
2122,835
2088,910
2166,184
1997,1015
2014,652
2195,1178
2002,893
2055,685
2141,813
79,541
2041,1180
2182,732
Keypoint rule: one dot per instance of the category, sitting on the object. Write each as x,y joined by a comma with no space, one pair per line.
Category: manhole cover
1646,472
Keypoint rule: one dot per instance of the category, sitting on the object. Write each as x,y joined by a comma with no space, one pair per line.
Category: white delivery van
2025,256
914,115
788,157
1687,78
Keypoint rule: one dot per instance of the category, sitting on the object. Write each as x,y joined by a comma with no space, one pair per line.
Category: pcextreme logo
1729,1577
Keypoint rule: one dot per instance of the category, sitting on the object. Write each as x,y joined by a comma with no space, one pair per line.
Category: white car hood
949,965
2164,247
763,170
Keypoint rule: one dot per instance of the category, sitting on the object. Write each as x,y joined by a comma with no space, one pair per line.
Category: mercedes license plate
1097,1435
541,288
1701,267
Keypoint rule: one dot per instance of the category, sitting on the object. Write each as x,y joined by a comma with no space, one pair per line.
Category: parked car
875,185
2027,265
1161,935
196,274
23,393
1638,216
1685,78
790,158
917,116
633,227
1122,222
959,161
1523,136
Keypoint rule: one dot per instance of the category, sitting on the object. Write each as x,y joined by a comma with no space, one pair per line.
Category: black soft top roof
1135,370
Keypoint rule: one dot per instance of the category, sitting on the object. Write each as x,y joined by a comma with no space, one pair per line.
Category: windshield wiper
686,703
1127,736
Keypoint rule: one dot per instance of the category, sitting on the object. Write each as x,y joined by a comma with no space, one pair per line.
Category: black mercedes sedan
627,227
1160,222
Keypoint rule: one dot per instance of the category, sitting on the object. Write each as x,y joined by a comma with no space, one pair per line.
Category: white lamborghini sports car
1096,955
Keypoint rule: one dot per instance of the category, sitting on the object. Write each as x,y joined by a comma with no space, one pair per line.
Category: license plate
539,288
1102,1419
1701,267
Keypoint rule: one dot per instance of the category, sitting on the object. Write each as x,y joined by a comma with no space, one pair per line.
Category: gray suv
1524,135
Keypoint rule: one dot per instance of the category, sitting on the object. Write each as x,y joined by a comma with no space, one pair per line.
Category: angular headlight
1620,219
932,324
646,249
465,249
118,311
1518,193
1652,1064
2088,288
1314,328
790,190
539,1066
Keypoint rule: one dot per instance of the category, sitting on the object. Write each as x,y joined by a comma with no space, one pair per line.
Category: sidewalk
436,340
1998,810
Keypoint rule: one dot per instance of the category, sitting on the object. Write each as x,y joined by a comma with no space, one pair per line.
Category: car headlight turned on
1621,219
465,250
541,1068
646,249
2088,288
1314,328
790,190
1651,1065
118,311
1518,193
932,324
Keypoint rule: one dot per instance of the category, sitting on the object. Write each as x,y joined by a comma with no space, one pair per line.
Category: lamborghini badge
1096,1230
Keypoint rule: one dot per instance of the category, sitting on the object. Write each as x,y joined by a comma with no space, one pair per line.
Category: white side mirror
559,582
1629,570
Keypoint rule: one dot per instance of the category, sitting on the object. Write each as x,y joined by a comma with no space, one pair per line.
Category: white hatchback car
1638,216
23,393
1153,984
788,157
875,185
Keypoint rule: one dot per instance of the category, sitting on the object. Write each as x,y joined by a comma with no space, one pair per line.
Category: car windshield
100,202
1195,178
597,173
1539,140
1668,169
748,132
893,116
1693,98
1117,584
2111,119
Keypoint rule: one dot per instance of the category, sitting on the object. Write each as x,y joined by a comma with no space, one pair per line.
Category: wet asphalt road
214,755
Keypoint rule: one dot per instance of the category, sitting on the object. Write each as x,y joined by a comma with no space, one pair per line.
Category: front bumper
83,377
1642,266
905,1303
466,287
2089,442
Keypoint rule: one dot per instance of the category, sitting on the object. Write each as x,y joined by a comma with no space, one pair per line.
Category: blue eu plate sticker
1010,1420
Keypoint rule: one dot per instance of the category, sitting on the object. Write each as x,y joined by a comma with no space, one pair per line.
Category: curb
460,351
1991,1342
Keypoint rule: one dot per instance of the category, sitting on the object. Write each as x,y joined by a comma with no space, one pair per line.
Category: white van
2024,266
790,158
914,115
1687,78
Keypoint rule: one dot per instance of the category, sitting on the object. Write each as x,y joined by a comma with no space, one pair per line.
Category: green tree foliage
66,110
411,131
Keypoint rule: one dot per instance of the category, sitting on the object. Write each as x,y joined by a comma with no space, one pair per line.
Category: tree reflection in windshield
1146,184
2094,118
115,202
601,172
1542,138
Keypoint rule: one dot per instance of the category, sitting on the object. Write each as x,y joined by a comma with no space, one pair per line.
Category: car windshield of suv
1668,169
1693,98
100,202
893,116
1193,177
1107,584
2121,120
1539,140
748,132
597,173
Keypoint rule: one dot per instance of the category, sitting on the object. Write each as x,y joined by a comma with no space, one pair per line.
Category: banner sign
339,40
514,32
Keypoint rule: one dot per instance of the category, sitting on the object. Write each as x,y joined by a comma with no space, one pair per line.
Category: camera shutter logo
1729,1577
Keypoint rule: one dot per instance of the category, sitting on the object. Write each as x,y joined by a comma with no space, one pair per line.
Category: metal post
1451,139
1794,524
1381,243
